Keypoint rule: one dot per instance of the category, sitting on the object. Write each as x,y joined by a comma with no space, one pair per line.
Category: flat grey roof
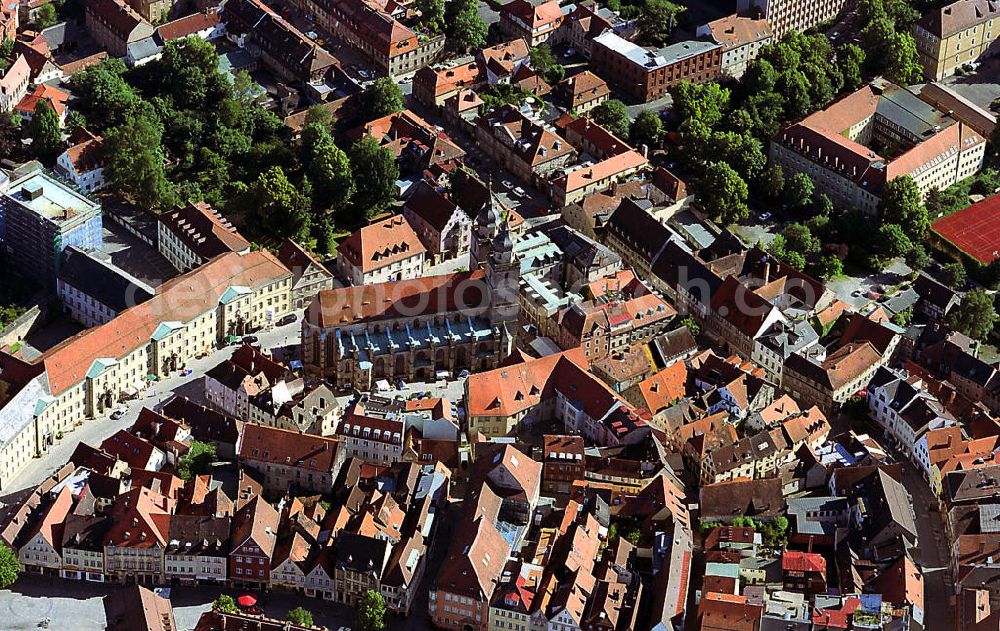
905,109
54,201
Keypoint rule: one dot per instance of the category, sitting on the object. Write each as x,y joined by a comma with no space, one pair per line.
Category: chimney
767,270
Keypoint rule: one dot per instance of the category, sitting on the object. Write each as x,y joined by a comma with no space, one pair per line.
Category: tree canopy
381,98
196,461
657,20
300,616
46,133
10,567
225,604
722,193
375,174
371,611
646,129
612,115
468,31
975,316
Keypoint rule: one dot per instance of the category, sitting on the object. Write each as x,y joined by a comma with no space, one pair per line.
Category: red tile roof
419,296
179,299
382,243
203,230
188,25
803,562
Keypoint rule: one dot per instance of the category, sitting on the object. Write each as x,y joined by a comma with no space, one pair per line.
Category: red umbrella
246,600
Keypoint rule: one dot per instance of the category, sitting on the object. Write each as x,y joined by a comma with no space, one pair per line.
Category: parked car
463,374
117,414
569,52
251,339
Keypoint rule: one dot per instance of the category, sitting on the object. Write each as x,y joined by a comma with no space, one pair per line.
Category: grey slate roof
102,281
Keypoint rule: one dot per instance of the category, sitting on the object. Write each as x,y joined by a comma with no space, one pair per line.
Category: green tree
135,162
314,138
432,15
902,64
800,239
323,229
468,31
46,16
657,20
544,62
46,133
196,461
692,325
798,191
371,611
975,316
829,267
902,204
917,258
852,60
822,206
613,116
10,135
10,567
893,241
375,174
740,150
189,72
381,98
224,604
722,193
103,95
275,208
778,246
903,318
332,178
707,103
301,617
319,115
953,275
795,259
6,48
771,183
646,129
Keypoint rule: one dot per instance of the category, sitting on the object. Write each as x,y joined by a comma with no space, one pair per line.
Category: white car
569,52
507,184
312,35
765,216
520,192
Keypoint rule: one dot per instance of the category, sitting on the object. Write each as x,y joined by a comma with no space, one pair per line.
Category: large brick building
645,74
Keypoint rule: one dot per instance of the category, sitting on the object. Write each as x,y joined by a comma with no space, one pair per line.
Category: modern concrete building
39,218
788,16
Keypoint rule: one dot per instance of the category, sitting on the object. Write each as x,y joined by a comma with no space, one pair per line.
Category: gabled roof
381,243
258,521
203,230
282,447
364,303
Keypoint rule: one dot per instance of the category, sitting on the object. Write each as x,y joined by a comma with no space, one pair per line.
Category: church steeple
487,228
